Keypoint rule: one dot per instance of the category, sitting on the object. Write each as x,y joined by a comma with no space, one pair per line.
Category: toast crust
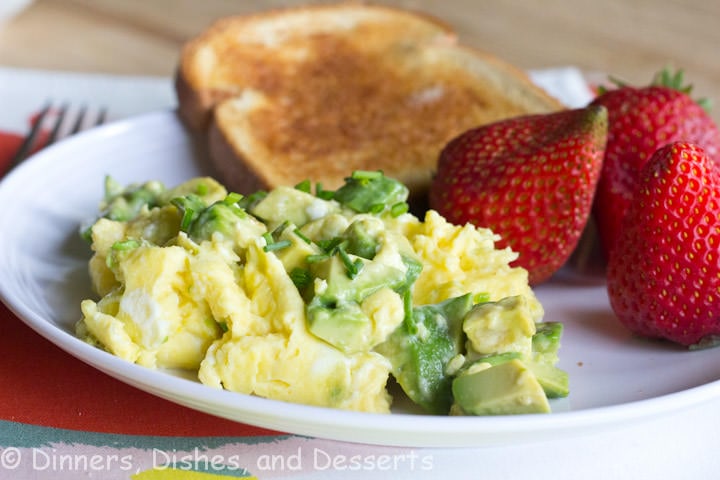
383,90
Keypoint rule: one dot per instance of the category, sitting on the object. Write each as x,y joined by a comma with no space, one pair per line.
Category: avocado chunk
334,312
546,342
344,325
371,192
362,237
504,389
200,222
206,188
503,326
292,205
124,203
343,280
299,248
490,360
554,381
420,349
545,346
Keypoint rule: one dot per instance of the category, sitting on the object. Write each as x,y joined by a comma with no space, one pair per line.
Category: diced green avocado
554,381
189,206
124,203
507,388
159,226
413,270
372,276
207,189
545,346
371,192
454,311
344,326
420,349
503,326
295,255
290,204
334,313
343,280
492,360
201,222
546,341
361,237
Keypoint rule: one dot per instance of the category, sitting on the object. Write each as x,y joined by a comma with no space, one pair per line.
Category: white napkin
24,92
567,84
10,8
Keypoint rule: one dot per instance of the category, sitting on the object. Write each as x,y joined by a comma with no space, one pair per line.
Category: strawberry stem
676,80
664,78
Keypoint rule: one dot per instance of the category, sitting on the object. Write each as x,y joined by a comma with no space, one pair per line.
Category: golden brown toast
319,91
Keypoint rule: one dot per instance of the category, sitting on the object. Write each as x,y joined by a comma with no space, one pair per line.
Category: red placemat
9,143
43,385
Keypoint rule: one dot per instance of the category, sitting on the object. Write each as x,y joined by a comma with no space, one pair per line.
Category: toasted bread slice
317,92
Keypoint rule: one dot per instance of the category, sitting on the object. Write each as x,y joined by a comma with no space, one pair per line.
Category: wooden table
628,38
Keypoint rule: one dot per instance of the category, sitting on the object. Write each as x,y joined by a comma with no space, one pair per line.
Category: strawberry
663,274
641,120
530,179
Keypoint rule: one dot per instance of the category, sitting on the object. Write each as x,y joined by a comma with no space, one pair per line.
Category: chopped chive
317,258
359,264
202,189
188,213
124,245
280,228
366,174
330,244
301,277
251,200
408,319
223,326
120,246
353,268
304,186
376,208
232,198
275,246
399,208
320,192
482,297
269,240
302,236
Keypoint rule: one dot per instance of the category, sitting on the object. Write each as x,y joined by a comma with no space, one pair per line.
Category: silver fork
61,122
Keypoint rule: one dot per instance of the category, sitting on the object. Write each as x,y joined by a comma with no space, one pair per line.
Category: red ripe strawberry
664,272
530,179
641,120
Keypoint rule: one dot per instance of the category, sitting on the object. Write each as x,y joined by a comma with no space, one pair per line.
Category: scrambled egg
246,292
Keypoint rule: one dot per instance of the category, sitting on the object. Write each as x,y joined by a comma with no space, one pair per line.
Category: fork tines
54,122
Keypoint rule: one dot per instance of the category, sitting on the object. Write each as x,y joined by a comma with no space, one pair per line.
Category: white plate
615,378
